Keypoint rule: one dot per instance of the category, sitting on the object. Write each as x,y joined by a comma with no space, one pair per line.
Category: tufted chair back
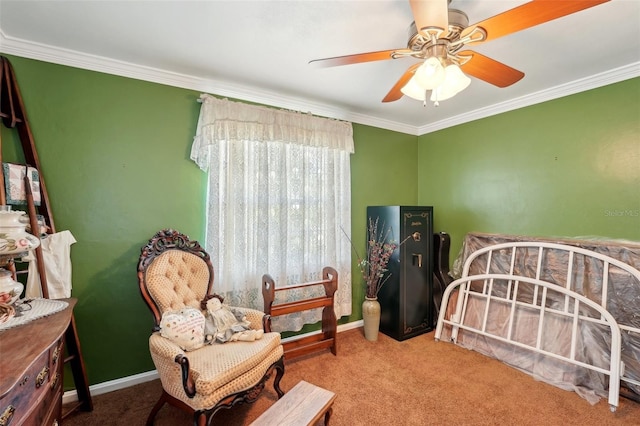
174,272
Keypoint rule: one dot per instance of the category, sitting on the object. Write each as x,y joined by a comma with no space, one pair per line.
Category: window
279,202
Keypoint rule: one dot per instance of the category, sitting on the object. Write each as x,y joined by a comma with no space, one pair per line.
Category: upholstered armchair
175,274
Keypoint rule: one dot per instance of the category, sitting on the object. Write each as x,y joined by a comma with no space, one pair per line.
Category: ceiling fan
438,35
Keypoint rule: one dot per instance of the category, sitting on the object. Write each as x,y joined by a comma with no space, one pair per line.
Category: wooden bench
305,404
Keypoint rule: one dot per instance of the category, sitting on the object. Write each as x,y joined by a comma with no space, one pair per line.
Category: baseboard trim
112,385
125,382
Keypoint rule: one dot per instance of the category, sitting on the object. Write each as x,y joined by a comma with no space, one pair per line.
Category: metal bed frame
544,300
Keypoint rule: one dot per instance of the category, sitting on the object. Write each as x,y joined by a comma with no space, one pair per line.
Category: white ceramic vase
10,290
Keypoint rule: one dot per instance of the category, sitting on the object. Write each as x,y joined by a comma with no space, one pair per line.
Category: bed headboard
623,250
613,284
604,271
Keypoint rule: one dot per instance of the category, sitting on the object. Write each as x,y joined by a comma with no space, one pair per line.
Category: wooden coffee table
305,404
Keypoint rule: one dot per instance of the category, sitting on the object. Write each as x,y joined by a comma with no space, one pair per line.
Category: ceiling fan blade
430,13
355,59
395,93
489,70
529,15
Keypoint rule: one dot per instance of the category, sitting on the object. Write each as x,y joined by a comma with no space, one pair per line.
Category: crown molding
592,82
60,56
71,58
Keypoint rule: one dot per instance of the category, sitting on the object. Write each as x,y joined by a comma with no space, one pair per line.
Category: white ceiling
259,51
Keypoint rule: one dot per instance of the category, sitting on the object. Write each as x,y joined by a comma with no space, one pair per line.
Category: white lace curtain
279,194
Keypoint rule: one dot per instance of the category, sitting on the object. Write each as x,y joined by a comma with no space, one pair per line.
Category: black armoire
406,300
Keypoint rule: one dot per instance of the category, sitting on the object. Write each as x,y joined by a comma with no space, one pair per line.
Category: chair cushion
219,369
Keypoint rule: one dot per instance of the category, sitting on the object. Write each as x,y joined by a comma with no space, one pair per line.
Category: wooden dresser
31,368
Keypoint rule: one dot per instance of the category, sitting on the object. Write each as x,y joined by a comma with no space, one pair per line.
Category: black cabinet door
406,299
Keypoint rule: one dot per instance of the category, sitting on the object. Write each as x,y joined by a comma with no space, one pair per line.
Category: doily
31,309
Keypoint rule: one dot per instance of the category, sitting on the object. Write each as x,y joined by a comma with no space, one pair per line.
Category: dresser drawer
48,412
33,399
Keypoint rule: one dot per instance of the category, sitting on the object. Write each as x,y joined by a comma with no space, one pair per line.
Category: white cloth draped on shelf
56,254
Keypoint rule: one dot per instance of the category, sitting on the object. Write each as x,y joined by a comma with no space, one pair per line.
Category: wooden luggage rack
13,115
326,339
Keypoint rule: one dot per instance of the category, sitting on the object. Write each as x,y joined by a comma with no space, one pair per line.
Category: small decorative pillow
185,328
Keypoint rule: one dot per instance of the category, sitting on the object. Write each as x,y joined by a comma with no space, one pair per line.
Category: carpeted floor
415,382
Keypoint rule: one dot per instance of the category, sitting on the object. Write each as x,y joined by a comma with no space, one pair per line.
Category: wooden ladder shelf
316,342
13,115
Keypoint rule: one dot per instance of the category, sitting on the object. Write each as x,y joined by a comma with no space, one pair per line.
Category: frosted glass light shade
455,81
413,90
430,74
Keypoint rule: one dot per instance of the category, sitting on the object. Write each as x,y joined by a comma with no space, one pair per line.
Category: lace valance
225,120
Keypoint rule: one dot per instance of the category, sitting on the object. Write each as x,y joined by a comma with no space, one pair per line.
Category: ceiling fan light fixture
438,33
430,74
413,90
455,82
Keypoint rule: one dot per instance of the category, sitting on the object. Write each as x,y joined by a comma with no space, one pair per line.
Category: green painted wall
568,167
115,158
383,172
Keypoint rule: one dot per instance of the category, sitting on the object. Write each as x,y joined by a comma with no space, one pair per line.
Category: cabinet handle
54,382
42,377
419,256
56,354
7,415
